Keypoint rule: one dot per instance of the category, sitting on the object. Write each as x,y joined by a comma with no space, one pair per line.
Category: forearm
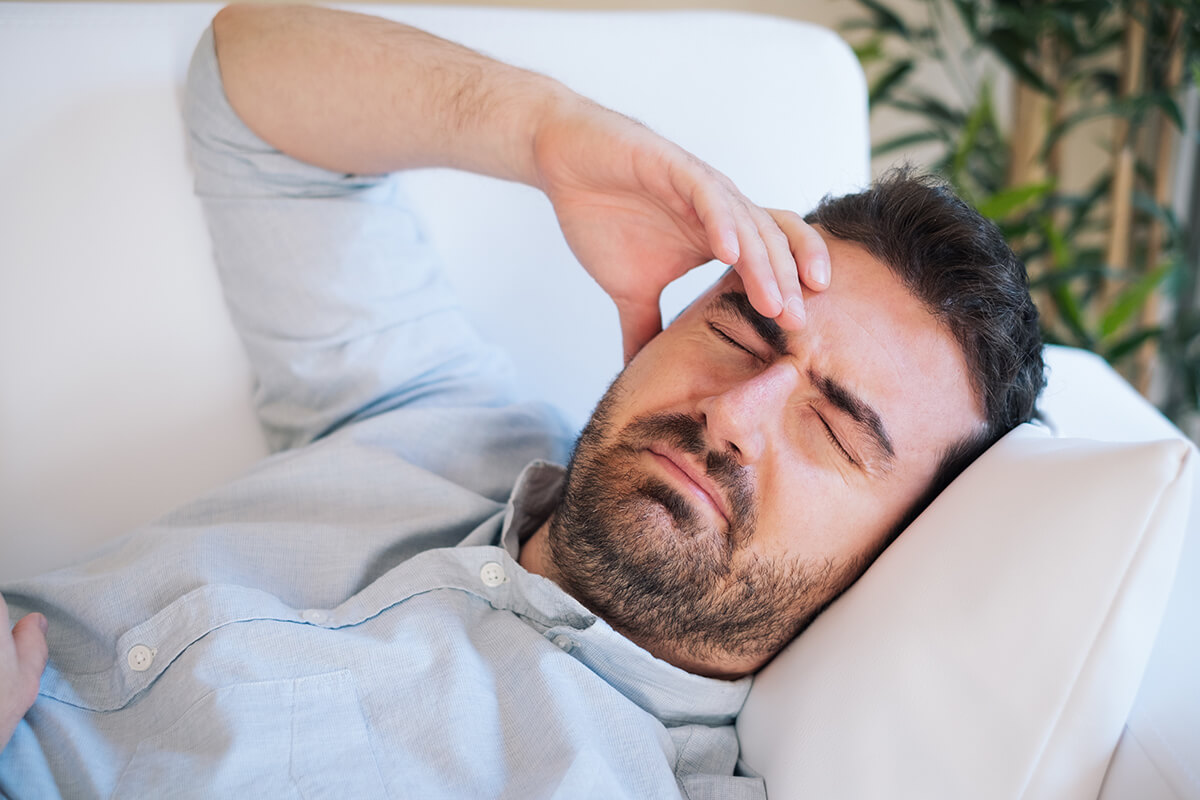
358,94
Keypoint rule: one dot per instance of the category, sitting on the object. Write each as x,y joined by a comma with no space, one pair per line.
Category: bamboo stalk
1120,232
1032,112
1031,120
1163,164
1056,112
1056,107
1121,192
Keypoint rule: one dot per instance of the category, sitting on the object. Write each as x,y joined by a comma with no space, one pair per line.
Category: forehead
869,333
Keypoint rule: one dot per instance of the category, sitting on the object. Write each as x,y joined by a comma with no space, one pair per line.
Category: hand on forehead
867,334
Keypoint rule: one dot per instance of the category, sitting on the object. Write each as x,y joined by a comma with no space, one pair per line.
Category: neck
535,553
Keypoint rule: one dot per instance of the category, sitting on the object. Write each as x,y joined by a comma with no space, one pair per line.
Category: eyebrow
865,417
767,329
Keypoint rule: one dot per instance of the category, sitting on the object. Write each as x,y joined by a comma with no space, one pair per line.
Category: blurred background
1073,125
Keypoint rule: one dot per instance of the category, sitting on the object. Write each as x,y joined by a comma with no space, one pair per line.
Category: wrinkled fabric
348,618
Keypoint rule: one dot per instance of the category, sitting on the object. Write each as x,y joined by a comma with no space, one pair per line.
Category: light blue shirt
349,618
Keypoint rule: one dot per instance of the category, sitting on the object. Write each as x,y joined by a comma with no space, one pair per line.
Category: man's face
736,477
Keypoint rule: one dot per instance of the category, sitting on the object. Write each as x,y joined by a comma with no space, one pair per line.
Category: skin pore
736,477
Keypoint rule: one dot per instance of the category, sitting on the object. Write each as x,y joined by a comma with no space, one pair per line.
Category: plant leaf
856,25
869,51
931,107
905,140
1052,279
1125,347
886,18
1069,309
966,143
1170,108
1008,43
1059,250
1006,201
1107,81
1132,300
886,82
968,12
1132,108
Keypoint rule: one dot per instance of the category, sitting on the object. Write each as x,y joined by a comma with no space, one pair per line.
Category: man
364,613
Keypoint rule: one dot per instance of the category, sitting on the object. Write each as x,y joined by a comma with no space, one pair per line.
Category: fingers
715,206
777,270
743,235
640,322
29,641
772,251
23,657
808,248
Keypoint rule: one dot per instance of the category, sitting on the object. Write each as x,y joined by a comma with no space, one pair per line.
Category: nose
748,413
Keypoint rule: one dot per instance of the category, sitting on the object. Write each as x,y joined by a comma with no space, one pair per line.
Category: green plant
1109,262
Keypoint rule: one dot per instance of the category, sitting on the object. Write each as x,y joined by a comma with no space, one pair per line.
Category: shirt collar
534,497
670,693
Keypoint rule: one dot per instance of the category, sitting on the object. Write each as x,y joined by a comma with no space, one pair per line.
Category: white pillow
996,647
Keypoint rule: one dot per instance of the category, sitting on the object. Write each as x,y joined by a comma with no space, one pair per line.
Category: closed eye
836,443
725,337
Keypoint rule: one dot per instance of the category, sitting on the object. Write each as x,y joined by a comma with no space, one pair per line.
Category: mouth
691,479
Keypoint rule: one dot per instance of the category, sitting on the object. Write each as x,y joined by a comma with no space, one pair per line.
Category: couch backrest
123,391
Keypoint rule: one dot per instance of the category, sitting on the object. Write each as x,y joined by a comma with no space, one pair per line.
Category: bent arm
358,94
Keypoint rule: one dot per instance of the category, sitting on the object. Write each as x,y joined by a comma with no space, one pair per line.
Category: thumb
640,322
29,640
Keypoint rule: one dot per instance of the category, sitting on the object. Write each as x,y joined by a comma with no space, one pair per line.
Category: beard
639,553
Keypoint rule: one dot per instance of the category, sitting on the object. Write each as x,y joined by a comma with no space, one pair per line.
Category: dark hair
959,265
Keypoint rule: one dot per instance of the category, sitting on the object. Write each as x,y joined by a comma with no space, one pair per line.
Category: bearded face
736,477
657,563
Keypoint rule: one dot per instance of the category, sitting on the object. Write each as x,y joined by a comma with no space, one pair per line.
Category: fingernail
731,244
795,307
43,623
820,271
778,298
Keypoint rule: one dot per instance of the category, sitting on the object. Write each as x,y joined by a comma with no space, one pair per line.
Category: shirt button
314,615
140,657
492,574
563,641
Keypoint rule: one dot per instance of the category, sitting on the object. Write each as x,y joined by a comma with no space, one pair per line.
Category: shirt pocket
295,738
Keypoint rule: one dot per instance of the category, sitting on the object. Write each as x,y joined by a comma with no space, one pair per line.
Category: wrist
548,121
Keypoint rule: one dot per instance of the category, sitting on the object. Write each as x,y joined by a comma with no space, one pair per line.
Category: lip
693,478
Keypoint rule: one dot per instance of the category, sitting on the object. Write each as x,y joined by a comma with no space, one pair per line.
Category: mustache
722,467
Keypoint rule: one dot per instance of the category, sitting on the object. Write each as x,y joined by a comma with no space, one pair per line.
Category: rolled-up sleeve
337,295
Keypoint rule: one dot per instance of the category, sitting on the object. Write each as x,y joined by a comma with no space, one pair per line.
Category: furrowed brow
767,329
837,394
864,416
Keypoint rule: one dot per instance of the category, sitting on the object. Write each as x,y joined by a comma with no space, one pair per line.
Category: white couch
123,392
